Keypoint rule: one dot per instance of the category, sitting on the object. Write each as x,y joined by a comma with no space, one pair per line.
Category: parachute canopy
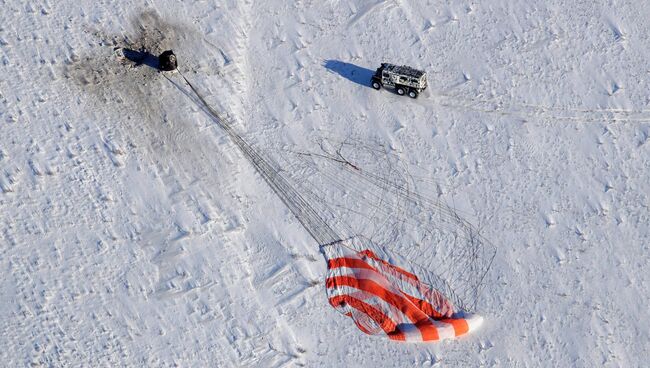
387,300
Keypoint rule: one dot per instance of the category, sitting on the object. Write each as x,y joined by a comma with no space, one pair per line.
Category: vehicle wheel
413,93
376,85
401,91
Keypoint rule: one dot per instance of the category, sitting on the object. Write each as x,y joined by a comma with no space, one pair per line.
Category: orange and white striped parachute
384,299
379,296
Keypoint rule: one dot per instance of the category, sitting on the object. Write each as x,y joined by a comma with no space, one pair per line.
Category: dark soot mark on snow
132,82
131,78
150,36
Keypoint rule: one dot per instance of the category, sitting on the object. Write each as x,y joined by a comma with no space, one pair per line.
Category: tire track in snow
282,347
368,9
248,318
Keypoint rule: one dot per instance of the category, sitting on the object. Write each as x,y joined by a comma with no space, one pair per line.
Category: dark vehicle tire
400,90
413,93
376,85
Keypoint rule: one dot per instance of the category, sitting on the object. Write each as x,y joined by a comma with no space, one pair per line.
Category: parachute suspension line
315,225
460,288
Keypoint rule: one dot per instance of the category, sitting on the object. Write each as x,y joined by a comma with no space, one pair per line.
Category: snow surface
133,232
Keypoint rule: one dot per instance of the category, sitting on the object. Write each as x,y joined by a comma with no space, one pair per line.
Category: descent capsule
167,61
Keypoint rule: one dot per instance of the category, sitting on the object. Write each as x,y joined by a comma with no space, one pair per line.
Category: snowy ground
132,231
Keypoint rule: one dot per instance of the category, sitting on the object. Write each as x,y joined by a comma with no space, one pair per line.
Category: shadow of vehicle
354,73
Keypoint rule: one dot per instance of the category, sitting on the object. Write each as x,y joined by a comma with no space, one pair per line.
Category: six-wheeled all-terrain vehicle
405,80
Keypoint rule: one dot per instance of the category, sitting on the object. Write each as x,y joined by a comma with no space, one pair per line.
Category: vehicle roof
403,70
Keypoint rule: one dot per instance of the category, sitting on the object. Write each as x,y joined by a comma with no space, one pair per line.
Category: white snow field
133,232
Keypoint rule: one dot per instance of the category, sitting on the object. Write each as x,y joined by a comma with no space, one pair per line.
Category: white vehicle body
404,79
